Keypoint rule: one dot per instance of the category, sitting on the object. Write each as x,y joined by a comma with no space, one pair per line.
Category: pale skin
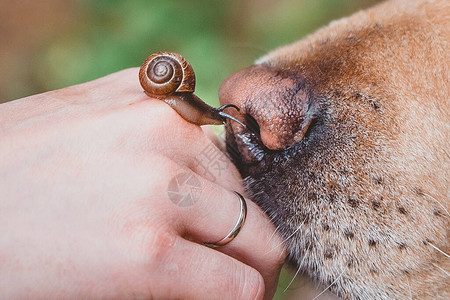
84,208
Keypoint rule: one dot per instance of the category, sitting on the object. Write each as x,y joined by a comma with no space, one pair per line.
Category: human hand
85,209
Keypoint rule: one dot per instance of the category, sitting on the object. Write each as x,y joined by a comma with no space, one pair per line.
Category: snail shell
165,73
169,77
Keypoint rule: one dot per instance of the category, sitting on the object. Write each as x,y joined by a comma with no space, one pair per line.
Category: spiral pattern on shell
166,73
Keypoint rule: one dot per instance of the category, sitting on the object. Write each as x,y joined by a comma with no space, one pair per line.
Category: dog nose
276,99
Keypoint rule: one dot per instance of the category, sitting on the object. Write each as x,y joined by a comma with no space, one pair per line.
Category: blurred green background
50,44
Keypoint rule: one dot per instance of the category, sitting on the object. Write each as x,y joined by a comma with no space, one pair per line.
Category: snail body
193,109
169,77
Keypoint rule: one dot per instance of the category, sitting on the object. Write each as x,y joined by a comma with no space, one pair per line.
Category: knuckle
158,244
151,114
156,113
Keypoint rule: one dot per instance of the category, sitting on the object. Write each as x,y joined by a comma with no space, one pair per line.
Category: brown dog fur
368,200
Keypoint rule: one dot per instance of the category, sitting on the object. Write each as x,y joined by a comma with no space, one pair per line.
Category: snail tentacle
221,108
227,116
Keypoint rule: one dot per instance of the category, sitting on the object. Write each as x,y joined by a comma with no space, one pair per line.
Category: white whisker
295,275
298,270
438,203
444,271
273,234
286,239
448,256
292,234
329,286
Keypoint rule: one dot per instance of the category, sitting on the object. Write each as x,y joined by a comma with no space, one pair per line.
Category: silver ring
234,232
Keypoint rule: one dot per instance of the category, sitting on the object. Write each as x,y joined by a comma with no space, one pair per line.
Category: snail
169,77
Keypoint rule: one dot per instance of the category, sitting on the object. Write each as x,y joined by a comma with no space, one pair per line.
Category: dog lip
257,153
248,145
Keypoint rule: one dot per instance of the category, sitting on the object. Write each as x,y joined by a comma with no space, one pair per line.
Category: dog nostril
252,125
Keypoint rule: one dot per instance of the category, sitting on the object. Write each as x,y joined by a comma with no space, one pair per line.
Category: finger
216,136
181,141
259,245
214,214
208,160
192,271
